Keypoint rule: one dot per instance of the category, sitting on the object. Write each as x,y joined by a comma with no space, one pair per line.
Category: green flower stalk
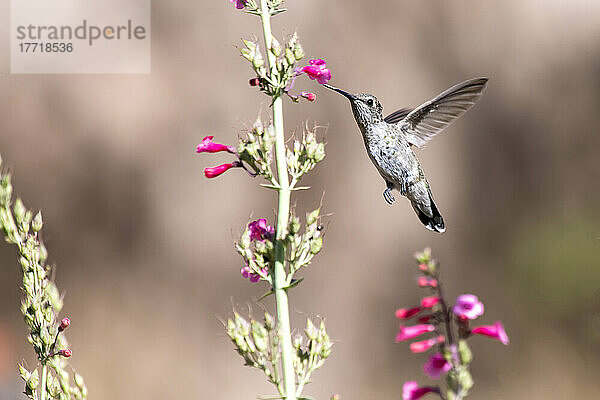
275,254
41,303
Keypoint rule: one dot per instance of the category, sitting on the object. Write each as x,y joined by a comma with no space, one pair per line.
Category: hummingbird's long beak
350,97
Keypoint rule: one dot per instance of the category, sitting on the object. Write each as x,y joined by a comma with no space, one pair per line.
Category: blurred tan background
143,242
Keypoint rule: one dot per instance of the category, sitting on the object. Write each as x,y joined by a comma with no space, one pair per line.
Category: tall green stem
44,379
279,279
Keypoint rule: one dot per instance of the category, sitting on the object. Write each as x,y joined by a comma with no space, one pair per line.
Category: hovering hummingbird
389,141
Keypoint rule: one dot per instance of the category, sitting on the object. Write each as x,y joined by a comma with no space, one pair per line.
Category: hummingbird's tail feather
435,222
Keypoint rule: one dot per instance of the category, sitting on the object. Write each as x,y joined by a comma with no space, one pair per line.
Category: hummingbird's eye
370,102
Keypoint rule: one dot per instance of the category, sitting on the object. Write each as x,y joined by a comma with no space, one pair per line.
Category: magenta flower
208,146
317,69
495,331
259,230
424,345
213,172
412,391
428,302
423,281
468,306
436,366
252,276
239,4
308,96
407,313
410,332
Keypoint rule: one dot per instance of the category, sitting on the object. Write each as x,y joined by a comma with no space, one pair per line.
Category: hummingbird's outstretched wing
429,119
397,116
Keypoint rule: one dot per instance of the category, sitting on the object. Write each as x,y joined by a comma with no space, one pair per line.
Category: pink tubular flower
424,345
259,230
427,282
436,366
239,4
213,172
495,331
208,146
407,313
410,332
428,302
317,69
308,96
412,391
468,306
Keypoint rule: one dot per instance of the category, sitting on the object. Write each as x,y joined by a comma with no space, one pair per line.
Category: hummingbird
389,141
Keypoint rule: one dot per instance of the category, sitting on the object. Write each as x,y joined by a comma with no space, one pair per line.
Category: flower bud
37,223
309,96
64,353
64,324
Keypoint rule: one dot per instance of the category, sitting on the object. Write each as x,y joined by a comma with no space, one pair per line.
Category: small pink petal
436,365
495,331
428,302
424,345
406,313
410,332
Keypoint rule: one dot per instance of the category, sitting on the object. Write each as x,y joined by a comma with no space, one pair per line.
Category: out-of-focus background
143,242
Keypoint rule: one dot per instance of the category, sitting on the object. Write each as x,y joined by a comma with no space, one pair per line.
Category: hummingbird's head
366,108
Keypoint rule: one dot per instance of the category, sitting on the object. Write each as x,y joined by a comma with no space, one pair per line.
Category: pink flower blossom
495,331
424,345
427,282
468,306
308,96
254,82
213,172
239,4
423,267
424,319
410,332
317,69
208,146
407,313
412,391
428,302
436,366
252,276
259,230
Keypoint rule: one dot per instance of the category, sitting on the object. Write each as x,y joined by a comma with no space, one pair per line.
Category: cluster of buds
256,248
305,155
303,247
259,344
283,65
310,355
256,149
450,330
41,300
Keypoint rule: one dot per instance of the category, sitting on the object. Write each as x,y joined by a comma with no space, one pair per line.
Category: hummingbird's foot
387,195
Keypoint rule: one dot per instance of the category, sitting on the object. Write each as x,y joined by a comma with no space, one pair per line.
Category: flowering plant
41,303
274,253
450,327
